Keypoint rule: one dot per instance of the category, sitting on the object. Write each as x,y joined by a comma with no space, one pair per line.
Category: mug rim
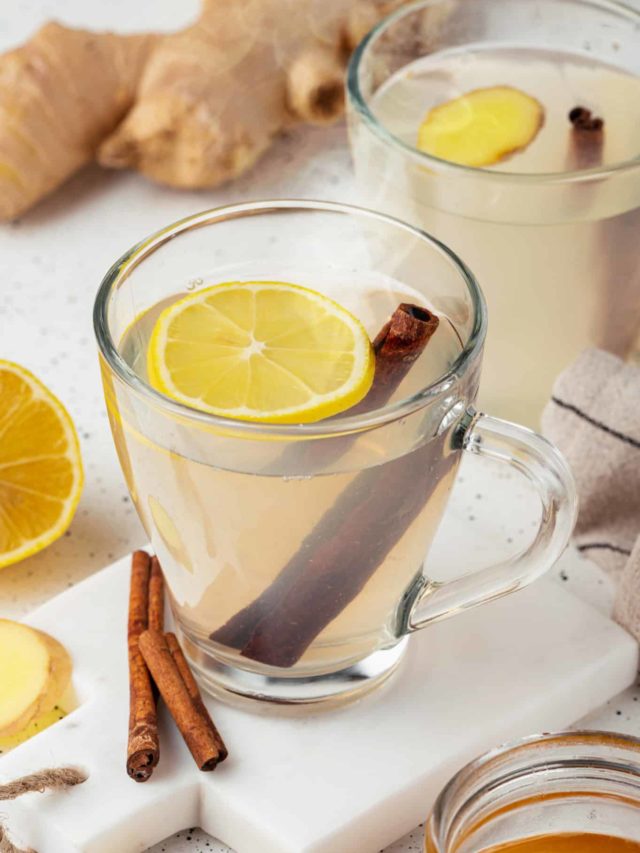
118,272
360,104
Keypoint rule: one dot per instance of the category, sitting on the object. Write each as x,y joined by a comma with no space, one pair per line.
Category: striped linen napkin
594,418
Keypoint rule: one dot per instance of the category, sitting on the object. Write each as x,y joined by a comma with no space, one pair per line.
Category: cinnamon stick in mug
143,745
615,243
587,139
328,571
398,344
342,553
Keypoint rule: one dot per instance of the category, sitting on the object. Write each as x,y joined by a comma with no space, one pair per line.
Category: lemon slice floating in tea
40,466
261,351
482,127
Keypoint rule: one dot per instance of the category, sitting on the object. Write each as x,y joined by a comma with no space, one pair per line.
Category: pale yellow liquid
558,265
225,514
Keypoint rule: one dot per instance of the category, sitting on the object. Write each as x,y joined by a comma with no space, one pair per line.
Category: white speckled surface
50,267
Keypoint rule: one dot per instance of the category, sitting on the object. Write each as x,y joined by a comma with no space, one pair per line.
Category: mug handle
545,468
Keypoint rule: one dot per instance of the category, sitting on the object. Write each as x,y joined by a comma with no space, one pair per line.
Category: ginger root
192,109
213,97
60,94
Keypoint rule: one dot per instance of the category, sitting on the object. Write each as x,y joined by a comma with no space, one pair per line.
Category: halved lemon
40,466
261,351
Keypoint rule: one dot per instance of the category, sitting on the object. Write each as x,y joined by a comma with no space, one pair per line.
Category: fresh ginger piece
61,93
33,728
482,127
34,673
60,669
24,674
190,109
214,97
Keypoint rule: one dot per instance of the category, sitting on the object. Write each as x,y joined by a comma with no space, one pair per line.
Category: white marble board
352,780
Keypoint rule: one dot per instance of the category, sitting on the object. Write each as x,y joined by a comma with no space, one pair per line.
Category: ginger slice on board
35,671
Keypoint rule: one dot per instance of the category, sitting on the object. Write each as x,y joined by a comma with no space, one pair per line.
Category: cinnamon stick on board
194,691
143,747
156,597
156,606
342,552
196,728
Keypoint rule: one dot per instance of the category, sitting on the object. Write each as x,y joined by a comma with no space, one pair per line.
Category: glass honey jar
571,792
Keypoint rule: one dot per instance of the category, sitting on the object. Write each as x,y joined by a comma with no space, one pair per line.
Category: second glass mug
555,250
295,554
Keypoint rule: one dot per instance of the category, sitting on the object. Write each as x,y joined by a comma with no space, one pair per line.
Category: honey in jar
580,842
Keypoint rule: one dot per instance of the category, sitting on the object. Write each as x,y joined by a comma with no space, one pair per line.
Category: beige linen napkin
594,418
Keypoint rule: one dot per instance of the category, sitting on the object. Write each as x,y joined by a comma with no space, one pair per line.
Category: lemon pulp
40,467
261,351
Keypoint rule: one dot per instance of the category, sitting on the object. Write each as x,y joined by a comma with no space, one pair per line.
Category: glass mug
554,250
294,554
581,785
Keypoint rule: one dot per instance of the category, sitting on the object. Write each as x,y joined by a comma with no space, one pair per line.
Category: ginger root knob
315,86
190,109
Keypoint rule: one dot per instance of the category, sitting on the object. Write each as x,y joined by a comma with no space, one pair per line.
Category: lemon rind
70,503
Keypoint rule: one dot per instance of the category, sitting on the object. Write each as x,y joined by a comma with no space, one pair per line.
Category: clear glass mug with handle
295,554
551,232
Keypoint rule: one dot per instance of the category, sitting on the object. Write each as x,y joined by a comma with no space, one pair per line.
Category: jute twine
55,779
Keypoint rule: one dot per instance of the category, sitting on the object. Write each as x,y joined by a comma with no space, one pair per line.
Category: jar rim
457,793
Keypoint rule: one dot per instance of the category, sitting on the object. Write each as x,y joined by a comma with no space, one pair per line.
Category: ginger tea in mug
511,132
290,387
